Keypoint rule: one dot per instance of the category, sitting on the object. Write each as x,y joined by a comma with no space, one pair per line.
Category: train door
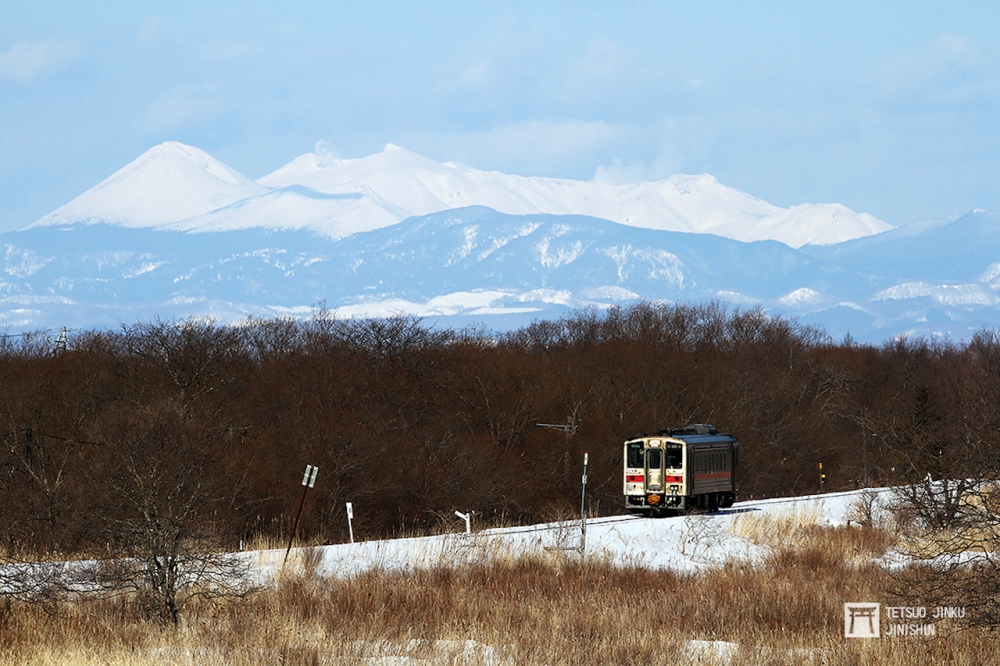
673,463
654,469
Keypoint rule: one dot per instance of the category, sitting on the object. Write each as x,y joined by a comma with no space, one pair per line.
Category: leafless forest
190,432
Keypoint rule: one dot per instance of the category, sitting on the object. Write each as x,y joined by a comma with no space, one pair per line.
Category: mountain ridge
476,265
182,188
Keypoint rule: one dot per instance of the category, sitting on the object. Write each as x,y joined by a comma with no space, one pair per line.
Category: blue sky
891,108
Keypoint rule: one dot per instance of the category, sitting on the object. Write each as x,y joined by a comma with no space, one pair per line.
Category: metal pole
308,481
295,526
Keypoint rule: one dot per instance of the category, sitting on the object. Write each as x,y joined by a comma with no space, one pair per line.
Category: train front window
673,455
654,458
635,455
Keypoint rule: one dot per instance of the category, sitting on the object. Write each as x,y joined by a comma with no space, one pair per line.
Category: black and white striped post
583,506
308,481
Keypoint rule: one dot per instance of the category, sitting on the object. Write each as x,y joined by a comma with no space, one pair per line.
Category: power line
30,432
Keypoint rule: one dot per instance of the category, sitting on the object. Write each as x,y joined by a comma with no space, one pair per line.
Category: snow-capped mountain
168,182
178,187
399,233
414,185
478,265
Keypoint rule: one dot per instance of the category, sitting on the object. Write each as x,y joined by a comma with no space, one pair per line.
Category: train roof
694,433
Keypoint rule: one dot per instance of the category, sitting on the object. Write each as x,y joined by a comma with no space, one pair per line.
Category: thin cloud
951,70
186,106
26,61
534,145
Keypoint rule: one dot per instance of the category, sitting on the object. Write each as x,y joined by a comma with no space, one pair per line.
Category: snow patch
991,273
958,294
469,243
610,293
802,296
736,297
524,230
555,257
143,269
23,263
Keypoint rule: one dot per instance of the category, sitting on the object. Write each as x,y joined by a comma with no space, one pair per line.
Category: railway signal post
308,481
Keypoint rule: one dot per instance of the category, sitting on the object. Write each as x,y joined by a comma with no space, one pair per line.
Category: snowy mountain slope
698,204
168,182
476,265
477,246
944,278
178,187
296,207
471,260
964,250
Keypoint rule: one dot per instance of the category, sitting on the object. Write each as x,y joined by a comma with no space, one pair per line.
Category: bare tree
166,484
951,505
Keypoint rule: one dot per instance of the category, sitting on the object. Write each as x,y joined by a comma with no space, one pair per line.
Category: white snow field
174,186
683,543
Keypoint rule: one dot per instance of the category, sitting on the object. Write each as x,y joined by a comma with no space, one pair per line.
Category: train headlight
674,489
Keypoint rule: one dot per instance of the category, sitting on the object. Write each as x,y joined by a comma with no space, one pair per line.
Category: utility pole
570,429
583,514
308,481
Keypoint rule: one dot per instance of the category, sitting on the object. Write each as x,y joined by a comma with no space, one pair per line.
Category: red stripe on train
713,475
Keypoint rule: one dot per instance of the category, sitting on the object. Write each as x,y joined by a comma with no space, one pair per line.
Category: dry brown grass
798,538
526,610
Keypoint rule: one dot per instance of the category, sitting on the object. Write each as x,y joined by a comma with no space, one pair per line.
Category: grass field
547,608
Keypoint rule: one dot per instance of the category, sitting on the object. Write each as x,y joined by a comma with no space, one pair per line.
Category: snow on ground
682,543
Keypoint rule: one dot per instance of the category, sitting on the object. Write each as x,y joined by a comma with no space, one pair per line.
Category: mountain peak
169,182
182,187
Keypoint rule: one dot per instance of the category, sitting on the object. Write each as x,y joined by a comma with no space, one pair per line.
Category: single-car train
693,467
